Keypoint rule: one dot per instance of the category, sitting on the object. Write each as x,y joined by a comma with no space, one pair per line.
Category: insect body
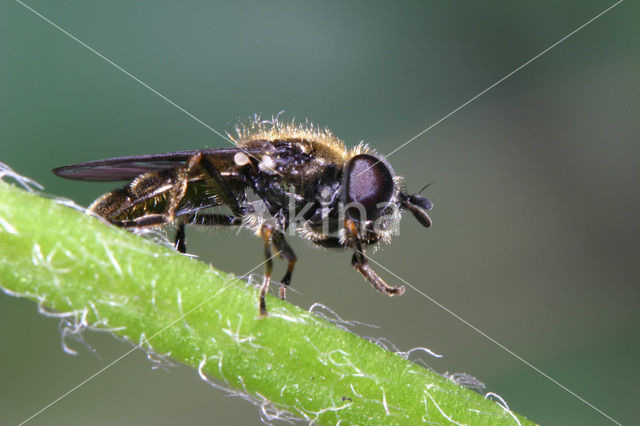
280,179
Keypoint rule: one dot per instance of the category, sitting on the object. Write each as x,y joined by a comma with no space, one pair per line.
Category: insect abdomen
146,194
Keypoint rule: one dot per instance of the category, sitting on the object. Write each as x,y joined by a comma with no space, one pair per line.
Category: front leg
362,266
359,261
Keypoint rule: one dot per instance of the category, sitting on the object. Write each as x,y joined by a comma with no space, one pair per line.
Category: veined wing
128,168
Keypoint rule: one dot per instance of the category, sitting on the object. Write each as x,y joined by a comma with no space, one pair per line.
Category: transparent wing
128,168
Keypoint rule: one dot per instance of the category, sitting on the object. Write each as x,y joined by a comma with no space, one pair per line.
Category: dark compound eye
369,183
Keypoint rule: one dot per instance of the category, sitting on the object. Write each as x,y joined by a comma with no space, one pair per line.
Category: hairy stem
107,278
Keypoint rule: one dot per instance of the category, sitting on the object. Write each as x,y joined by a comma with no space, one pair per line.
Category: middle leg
286,252
266,232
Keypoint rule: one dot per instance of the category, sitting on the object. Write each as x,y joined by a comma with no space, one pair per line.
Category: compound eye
369,183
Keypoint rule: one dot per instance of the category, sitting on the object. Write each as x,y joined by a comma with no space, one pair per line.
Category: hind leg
119,206
202,220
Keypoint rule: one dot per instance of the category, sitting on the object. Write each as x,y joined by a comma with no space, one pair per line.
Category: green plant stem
107,278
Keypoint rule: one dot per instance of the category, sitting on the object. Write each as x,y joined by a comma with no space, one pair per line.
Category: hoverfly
279,178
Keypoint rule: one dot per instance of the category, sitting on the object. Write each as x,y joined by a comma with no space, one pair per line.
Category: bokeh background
536,234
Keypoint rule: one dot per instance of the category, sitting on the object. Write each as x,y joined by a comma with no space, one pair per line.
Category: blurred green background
536,234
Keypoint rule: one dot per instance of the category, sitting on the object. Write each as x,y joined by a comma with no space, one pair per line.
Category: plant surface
292,362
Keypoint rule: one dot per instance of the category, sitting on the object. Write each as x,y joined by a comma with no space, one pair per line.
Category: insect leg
181,239
329,242
221,187
153,219
175,196
203,220
212,219
266,232
179,189
359,261
196,165
286,252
